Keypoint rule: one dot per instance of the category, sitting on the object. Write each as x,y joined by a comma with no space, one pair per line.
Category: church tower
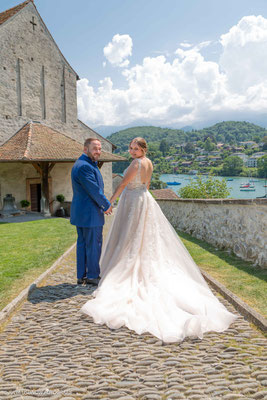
38,86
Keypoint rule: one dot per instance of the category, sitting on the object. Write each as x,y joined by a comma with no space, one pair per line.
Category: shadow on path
51,294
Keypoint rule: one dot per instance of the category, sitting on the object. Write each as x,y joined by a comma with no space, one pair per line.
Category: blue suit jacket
88,202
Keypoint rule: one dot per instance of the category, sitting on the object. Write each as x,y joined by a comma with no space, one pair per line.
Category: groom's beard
93,158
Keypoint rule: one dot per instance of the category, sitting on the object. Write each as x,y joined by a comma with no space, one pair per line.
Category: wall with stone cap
238,225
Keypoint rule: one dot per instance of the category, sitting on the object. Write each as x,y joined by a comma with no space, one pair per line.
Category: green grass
29,248
242,278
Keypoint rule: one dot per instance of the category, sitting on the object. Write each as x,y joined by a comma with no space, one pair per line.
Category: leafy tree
232,166
208,145
189,147
262,167
156,183
164,147
210,188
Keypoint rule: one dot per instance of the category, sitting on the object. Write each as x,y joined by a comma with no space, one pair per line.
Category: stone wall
37,83
238,225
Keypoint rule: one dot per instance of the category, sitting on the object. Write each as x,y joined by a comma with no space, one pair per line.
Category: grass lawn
27,249
241,277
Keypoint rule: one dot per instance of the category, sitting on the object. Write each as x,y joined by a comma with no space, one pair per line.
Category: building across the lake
40,134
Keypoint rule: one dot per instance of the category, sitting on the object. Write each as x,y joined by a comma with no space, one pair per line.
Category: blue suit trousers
89,245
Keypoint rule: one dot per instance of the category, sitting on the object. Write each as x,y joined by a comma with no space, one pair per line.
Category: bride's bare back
146,170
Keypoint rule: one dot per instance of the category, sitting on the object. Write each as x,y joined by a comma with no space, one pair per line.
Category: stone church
40,134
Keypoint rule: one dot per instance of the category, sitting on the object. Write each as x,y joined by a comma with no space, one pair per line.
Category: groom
87,211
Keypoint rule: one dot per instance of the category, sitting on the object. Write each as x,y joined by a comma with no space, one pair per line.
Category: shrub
210,188
60,198
24,203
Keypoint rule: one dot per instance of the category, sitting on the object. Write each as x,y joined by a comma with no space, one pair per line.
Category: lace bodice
136,183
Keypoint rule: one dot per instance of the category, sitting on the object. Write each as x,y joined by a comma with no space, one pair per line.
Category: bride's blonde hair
141,143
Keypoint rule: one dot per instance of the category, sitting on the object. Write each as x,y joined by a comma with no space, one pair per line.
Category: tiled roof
5,15
164,194
38,142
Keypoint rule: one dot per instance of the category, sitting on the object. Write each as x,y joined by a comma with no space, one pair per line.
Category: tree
208,145
156,183
262,167
211,188
164,146
232,166
189,147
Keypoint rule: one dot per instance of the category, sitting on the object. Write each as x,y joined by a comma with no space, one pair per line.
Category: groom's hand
109,211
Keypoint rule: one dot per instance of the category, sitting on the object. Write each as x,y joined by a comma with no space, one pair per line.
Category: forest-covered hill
230,132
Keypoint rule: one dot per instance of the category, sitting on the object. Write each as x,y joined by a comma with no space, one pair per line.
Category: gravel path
51,351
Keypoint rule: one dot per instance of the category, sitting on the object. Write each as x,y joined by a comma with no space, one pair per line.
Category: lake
234,185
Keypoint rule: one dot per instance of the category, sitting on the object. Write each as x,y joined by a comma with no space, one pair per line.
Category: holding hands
108,211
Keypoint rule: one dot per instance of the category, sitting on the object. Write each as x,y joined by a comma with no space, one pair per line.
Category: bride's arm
128,177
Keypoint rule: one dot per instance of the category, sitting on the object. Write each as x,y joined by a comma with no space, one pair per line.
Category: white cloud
118,50
244,57
188,89
185,44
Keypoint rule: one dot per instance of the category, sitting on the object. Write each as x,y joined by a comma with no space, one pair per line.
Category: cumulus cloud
244,57
188,89
118,50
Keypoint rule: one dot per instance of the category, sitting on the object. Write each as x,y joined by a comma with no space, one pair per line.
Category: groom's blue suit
87,213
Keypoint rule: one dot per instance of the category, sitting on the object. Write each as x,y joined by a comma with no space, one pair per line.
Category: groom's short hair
89,140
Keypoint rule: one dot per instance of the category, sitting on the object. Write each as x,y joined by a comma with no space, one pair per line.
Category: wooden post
45,189
44,169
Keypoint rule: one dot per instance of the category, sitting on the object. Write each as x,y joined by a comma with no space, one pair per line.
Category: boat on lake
248,189
173,183
229,179
247,185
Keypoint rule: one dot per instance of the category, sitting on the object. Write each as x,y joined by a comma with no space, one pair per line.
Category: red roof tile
38,142
5,15
164,194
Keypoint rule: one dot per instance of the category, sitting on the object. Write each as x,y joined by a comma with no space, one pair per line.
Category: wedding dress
149,282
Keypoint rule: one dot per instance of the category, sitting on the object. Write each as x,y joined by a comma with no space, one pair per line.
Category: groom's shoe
81,281
92,281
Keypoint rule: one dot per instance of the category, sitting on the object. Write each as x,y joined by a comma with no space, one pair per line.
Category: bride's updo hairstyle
141,143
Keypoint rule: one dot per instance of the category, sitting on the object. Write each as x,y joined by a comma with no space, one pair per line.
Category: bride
149,282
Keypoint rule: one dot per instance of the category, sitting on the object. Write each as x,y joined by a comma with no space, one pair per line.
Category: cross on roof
33,23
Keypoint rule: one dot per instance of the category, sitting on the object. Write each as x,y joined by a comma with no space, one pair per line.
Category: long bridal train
149,282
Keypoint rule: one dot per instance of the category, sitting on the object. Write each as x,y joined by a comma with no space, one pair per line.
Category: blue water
234,185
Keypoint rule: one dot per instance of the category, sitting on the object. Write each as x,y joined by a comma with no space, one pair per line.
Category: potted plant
60,212
24,204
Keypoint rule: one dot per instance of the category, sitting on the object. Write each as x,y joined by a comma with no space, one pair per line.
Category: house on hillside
243,156
40,133
252,162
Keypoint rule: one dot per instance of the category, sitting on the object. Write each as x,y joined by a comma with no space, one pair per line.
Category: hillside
225,132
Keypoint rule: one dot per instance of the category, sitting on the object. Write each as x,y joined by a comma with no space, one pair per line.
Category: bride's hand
108,211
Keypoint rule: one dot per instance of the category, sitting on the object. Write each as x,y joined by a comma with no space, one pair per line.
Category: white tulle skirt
149,281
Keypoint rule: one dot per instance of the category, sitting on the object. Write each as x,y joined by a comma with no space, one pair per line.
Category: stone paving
49,350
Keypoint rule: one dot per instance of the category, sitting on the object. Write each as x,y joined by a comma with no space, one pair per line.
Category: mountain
226,132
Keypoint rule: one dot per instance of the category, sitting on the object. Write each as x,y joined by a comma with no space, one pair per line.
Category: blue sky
143,64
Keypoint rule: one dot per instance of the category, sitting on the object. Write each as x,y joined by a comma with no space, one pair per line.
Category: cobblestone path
51,351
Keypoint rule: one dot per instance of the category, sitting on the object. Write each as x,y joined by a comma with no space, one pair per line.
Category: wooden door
35,190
